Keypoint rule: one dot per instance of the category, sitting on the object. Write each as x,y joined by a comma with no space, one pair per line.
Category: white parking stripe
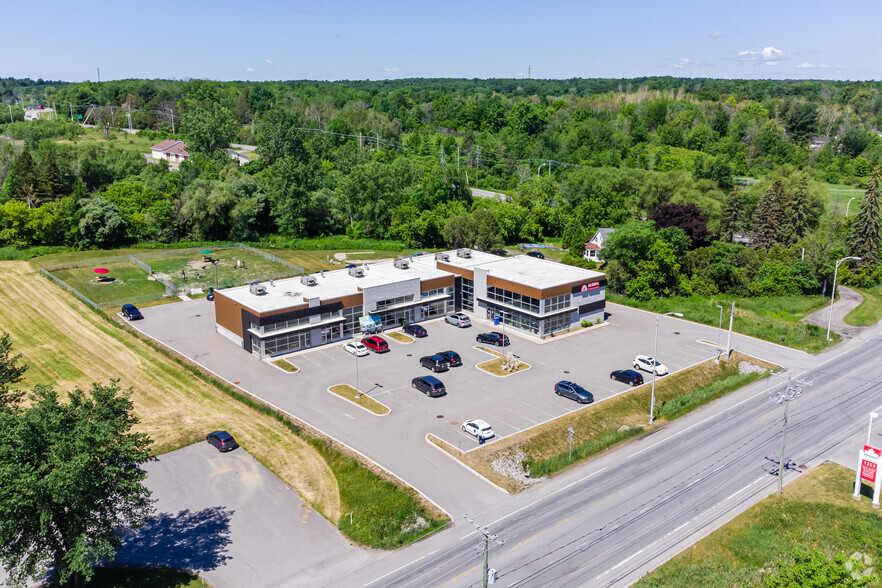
520,416
537,409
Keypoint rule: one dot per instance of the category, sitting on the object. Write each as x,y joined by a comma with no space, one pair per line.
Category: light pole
849,204
833,292
720,329
539,171
357,387
655,364
873,415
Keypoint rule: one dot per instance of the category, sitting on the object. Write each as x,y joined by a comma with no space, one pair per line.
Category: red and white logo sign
868,470
590,286
872,451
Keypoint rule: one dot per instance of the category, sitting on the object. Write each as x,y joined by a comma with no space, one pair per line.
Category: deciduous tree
11,372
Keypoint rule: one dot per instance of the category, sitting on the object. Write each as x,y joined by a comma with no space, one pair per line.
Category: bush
586,323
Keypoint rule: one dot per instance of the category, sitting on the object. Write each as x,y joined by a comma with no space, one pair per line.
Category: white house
596,244
170,150
38,112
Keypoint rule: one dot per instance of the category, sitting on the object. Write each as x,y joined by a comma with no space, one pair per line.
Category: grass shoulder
400,337
868,312
286,366
363,400
816,512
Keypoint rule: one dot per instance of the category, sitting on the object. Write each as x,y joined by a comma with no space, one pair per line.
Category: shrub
586,323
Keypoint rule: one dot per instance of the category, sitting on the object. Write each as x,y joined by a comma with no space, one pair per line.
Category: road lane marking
452,580
537,535
397,570
743,489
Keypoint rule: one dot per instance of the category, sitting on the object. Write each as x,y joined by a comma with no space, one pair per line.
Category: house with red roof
170,150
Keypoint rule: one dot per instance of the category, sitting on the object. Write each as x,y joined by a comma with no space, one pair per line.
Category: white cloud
766,54
716,34
771,63
250,69
391,69
807,65
682,63
268,61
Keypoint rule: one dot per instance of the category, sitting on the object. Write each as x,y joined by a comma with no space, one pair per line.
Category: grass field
73,346
314,261
869,312
118,140
201,274
129,281
772,319
816,512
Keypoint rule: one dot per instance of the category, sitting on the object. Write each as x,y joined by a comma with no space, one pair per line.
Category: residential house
170,150
594,247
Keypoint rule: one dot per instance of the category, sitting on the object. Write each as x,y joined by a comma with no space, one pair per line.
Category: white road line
743,489
349,415
397,569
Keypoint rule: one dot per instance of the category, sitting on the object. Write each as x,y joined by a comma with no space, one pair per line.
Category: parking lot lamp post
357,388
833,292
873,415
654,362
849,204
720,329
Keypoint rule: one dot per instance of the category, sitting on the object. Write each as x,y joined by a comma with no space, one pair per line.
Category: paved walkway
848,301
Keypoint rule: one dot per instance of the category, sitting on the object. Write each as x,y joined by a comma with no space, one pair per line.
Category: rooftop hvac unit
356,272
464,253
442,257
401,263
257,288
289,293
308,280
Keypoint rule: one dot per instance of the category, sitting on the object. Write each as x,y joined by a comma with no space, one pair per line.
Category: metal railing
64,285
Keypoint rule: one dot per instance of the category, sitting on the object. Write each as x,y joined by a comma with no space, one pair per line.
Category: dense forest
713,185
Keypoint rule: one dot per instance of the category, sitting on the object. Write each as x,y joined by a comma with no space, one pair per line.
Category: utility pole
729,340
99,75
549,168
10,111
457,152
486,536
792,390
71,112
477,165
441,162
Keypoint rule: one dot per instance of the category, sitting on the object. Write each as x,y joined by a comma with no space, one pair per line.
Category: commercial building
536,296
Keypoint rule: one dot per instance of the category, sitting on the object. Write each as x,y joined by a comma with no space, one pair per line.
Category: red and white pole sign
869,471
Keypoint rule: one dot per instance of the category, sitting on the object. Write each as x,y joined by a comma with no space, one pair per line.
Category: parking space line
518,429
537,409
520,416
307,357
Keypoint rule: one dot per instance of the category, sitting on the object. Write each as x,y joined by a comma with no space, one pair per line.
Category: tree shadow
194,541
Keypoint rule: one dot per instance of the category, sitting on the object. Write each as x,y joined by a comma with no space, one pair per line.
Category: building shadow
194,541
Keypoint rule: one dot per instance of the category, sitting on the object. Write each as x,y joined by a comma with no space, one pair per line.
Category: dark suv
536,254
436,363
627,376
131,312
429,385
415,330
493,338
452,357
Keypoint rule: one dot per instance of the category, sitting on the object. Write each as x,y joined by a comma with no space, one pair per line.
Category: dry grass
400,337
494,366
348,392
71,346
287,366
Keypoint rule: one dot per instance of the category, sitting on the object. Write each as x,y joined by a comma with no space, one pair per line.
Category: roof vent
257,288
308,280
442,257
402,263
356,272
464,253
289,293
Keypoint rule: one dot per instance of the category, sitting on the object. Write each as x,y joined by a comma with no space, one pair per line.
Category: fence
132,300
64,285
272,257
57,267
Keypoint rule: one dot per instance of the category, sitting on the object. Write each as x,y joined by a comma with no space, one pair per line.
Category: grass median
363,400
400,337
544,449
816,512
286,366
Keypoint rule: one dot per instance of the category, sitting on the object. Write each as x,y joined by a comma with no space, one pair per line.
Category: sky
349,40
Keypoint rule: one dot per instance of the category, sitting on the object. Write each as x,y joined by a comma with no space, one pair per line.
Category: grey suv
458,319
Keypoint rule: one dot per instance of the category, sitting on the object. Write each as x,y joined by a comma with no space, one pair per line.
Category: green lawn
128,281
816,512
869,312
774,319
201,274
118,140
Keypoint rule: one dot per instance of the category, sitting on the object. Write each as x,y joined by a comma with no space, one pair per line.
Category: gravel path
848,301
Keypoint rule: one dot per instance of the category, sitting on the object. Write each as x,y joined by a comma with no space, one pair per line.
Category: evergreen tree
22,178
730,219
51,185
867,231
798,215
766,226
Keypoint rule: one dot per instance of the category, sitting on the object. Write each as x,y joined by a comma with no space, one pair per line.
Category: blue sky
332,40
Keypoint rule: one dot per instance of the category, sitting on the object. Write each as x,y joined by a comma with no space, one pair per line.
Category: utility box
491,576
257,288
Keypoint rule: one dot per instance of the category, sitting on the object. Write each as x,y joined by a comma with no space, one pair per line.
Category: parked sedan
415,330
627,376
222,440
646,363
478,427
493,338
355,348
452,357
376,344
458,319
573,391
131,312
536,254
429,385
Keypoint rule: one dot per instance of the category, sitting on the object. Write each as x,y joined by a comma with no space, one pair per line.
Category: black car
429,385
573,391
131,312
493,338
436,363
627,376
222,440
452,357
415,330
536,254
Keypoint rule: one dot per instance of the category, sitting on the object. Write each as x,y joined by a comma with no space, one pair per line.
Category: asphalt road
616,518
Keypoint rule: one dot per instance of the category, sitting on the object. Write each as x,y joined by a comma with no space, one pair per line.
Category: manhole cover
197,315
566,371
440,416
409,355
676,332
235,382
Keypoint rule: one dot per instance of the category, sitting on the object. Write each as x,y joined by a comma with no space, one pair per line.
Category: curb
500,488
372,413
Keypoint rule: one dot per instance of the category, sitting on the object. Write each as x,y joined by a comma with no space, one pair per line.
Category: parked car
493,338
429,385
628,377
452,357
415,330
477,427
376,344
458,319
536,254
436,363
646,363
573,391
131,312
222,440
355,348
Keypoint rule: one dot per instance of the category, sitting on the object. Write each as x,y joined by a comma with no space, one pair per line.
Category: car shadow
194,541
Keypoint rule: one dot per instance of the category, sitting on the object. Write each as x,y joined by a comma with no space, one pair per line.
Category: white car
458,319
356,348
645,363
477,427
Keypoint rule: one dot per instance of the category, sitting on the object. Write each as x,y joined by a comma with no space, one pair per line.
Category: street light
720,329
538,171
833,293
849,204
655,363
873,415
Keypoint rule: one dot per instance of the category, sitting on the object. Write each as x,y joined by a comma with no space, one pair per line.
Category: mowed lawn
67,345
201,274
126,281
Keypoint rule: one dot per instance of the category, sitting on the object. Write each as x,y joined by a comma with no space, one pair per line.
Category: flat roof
538,273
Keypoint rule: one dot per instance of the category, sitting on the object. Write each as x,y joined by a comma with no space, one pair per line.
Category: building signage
868,471
586,287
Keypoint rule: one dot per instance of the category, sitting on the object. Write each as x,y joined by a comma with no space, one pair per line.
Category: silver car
458,319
